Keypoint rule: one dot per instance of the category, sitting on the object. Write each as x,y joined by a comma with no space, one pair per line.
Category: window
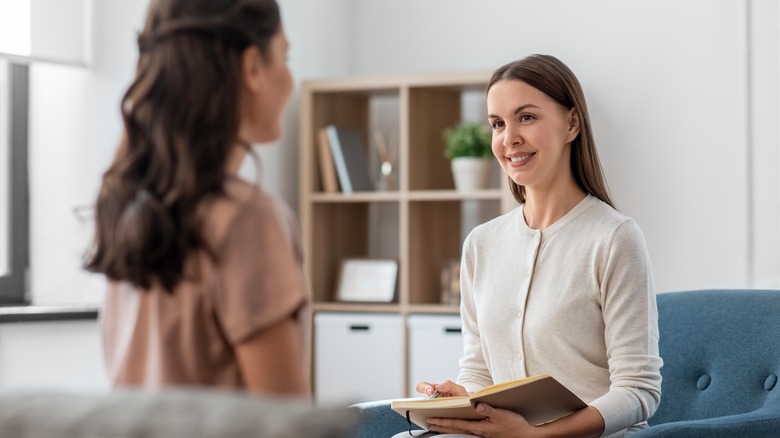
52,31
15,25
14,192
5,183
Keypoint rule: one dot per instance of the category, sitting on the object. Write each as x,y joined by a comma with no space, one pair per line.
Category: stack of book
343,163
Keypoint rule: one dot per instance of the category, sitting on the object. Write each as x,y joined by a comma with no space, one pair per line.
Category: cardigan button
704,382
770,382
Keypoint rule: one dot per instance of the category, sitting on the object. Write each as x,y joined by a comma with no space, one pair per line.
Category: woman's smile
520,159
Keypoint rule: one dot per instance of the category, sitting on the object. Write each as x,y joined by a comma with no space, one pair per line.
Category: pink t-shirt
154,339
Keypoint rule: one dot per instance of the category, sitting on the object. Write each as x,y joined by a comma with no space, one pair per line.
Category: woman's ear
252,70
573,120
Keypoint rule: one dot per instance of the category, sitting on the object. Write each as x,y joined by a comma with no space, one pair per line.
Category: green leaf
468,139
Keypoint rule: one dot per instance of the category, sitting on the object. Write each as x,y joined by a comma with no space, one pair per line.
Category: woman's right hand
447,388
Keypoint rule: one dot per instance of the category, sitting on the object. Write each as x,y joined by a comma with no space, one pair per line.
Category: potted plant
469,150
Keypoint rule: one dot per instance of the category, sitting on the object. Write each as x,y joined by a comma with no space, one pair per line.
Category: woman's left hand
499,423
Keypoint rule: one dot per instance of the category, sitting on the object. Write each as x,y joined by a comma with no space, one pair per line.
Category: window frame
14,283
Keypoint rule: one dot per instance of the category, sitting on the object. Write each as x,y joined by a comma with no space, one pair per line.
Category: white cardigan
575,300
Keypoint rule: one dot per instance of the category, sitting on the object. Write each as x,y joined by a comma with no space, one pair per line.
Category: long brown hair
181,119
553,78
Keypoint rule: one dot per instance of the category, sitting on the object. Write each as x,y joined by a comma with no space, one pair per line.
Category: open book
539,399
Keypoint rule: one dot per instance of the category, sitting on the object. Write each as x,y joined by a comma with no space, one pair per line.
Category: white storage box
435,347
357,357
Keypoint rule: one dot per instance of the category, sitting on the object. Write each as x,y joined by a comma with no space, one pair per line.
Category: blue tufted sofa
721,352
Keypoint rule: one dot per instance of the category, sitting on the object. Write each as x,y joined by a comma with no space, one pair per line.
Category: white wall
667,84
764,132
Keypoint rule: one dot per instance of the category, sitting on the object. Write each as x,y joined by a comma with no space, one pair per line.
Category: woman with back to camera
205,280
562,284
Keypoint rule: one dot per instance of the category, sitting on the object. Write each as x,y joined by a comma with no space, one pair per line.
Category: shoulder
601,215
244,207
253,201
615,228
596,210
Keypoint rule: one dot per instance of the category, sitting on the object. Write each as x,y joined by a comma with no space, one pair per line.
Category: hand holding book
539,399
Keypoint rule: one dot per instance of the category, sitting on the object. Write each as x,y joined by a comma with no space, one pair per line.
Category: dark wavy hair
181,119
552,77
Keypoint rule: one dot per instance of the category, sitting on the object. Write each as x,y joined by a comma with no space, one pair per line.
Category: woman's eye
527,118
498,124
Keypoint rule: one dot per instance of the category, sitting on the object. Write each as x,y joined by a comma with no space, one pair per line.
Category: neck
544,207
236,157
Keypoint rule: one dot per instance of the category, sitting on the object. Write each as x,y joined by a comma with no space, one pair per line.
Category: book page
509,384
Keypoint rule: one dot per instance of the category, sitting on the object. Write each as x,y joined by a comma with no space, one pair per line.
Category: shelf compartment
369,111
434,238
436,232
431,110
348,230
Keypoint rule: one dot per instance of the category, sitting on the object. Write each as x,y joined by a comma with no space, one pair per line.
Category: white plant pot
471,173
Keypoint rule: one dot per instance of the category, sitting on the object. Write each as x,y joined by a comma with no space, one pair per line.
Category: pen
434,394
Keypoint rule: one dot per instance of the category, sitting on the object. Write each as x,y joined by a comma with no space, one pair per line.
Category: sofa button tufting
703,382
770,382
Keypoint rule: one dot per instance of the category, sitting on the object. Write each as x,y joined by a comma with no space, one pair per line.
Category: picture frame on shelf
367,280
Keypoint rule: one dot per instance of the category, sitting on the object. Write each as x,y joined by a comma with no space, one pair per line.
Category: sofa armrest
761,423
376,419
171,413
